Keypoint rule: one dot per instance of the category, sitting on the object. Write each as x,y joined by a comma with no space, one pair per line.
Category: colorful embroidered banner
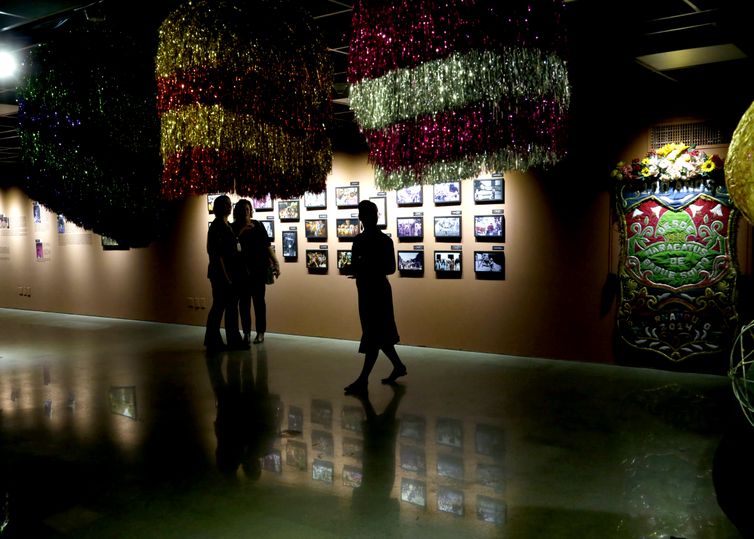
677,270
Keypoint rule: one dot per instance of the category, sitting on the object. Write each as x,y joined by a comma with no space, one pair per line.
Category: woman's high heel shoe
259,338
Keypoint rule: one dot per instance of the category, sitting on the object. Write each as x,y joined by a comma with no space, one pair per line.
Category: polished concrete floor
115,428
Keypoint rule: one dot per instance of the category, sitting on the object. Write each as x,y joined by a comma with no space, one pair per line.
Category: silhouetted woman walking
373,261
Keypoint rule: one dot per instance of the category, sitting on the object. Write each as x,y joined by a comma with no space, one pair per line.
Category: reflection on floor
114,428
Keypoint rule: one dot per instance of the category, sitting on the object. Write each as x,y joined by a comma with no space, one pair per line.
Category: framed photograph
273,462
315,201
381,203
316,260
345,261
269,227
489,227
410,196
446,193
347,229
449,432
347,196
489,264
315,229
450,500
448,262
289,210
290,244
262,204
110,244
211,201
414,492
123,401
488,191
448,227
411,263
410,228
295,419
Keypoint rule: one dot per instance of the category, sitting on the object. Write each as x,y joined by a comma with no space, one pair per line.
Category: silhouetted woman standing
373,261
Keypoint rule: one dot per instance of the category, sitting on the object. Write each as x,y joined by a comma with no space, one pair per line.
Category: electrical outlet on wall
20,290
202,303
190,303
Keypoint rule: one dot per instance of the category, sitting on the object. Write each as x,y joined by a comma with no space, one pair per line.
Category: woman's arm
273,261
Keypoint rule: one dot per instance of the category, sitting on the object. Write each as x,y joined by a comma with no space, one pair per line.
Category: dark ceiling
604,40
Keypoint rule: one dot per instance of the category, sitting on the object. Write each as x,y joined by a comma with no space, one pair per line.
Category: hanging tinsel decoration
244,99
444,89
89,136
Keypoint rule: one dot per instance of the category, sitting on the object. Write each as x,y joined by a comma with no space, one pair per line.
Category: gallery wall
560,246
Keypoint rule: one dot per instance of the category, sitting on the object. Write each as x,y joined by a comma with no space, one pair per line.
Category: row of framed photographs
489,264
448,228
486,191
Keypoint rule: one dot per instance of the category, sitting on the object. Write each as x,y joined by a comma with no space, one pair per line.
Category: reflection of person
373,259
256,258
372,500
245,423
221,248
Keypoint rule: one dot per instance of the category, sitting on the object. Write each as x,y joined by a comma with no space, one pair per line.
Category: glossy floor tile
116,428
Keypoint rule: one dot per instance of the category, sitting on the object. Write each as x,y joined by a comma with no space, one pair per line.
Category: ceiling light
8,65
667,61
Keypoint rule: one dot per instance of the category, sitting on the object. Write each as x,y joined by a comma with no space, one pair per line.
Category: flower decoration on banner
671,164
88,133
444,90
244,100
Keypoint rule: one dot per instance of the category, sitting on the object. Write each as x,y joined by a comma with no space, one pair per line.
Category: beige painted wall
559,248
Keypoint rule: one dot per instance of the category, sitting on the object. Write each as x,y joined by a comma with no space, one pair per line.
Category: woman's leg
260,308
244,308
212,336
399,369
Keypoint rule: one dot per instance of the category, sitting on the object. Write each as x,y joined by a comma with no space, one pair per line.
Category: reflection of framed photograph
414,492
123,401
315,229
488,190
322,413
381,203
352,418
447,193
273,462
322,443
262,204
450,467
490,510
295,419
409,196
352,476
410,228
489,227
490,475
448,227
489,264
315,201
290,244
347,197
269,227
450,500
322,470
353,447
316,260
347,229
449,432
410,262
489,441
413,427
412,459
295,455
289,210
345,261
